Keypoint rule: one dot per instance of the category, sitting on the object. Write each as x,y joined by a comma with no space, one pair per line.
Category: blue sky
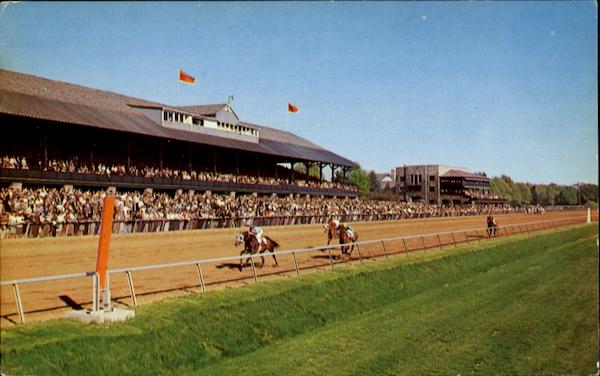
502,87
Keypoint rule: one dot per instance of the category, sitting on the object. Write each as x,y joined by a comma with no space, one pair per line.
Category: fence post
359,254
405,248
95,292
330,258
439,241
253,269
467,237
106,303
131,288
384,251
296,264
201,276
478,236
453,240
19,304
423,242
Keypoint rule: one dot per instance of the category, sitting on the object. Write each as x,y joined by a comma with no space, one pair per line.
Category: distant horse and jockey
255,242
492,226
346,235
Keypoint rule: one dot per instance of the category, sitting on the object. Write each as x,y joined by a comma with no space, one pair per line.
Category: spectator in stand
73,165
62,207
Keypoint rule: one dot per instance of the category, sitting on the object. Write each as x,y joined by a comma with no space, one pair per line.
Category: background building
439,184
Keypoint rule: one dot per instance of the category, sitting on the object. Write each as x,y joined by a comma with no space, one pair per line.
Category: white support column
106,294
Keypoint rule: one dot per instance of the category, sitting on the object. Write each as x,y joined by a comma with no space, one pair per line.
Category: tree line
544,194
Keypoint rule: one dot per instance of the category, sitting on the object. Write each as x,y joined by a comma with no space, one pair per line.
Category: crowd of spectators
14,162
76,166
64,205
480,195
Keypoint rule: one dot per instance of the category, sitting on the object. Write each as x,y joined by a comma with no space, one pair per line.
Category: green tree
566,196
499,186
541,194
314,171
524,193
360,179
553,191
589,193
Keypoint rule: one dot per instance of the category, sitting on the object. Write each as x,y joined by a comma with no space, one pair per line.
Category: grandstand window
431,177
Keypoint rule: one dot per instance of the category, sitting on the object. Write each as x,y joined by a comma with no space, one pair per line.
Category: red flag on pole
186,78
292,108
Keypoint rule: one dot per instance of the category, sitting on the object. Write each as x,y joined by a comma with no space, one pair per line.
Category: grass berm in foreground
522,305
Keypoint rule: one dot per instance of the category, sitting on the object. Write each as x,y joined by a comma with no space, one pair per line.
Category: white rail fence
470,235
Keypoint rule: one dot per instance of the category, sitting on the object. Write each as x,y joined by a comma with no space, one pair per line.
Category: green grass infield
526,304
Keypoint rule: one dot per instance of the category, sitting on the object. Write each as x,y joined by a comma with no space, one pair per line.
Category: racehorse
343,232
251,246
492,226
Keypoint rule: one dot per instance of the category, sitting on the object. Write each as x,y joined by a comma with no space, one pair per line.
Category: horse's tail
275,244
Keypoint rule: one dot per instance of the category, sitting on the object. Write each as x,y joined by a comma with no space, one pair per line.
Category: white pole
589,216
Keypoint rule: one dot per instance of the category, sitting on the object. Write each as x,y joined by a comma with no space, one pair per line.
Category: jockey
257,232
336,222
349,230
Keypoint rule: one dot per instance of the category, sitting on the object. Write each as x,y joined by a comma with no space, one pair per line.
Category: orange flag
292,108
184,77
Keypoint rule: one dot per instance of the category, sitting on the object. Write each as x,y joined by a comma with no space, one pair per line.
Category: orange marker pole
108,210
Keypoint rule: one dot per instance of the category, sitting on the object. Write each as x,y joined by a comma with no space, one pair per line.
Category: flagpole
287,117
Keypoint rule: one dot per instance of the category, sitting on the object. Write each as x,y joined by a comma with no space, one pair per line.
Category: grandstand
83,137
182,167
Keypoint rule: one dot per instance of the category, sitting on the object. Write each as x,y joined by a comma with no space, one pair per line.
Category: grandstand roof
204,109
40,98
462,174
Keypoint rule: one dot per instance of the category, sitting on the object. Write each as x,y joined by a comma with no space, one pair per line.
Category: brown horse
343,232
251,246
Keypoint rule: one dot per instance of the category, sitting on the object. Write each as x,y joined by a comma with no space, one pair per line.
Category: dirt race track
26,258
